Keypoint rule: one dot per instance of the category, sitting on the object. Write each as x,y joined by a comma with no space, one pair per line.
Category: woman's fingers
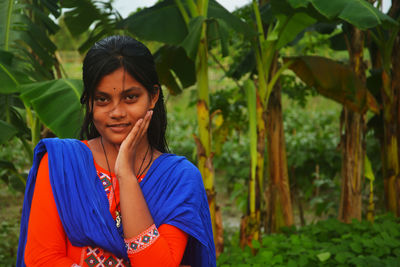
131,137
127,150
145,124
138,131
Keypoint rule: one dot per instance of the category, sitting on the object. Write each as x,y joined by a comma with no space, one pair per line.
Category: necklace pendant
117,219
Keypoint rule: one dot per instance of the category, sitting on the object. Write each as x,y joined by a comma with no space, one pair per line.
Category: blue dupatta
173,190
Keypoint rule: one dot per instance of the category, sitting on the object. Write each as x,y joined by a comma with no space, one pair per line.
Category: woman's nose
117,111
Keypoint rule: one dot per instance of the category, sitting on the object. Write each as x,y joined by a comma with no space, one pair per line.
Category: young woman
117,198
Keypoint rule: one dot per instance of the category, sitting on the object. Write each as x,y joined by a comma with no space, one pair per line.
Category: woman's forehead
119,79
114,90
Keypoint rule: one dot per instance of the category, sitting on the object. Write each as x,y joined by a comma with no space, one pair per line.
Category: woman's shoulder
61,144
177,169
61,150
58,142
179,162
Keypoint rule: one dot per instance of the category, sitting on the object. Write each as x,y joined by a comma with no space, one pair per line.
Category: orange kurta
48,245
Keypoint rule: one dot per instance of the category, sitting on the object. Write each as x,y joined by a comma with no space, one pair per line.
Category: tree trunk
391,146
261,134
279,205
353,153
251,222
203,140
391,117
352,141
396,88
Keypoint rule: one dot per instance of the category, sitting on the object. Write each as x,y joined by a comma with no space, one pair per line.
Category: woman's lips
118,127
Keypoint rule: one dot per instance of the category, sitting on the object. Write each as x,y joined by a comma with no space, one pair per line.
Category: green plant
312,137
9,232
326,243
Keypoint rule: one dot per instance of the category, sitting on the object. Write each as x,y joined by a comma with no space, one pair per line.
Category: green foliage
230,116
361,14
10,212
26,27
57,103
179,133
14,165
150,23
334,81
7,131
312,137
296,90
98,16
9,232
327,243
175,69
64,40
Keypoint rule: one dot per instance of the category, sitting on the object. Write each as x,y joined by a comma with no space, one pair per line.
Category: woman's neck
105,153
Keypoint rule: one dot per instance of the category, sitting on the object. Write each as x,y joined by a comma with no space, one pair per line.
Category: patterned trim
97,257
142,241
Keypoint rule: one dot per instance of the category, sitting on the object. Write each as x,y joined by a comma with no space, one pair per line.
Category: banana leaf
335,81
57,103
173,65
7,131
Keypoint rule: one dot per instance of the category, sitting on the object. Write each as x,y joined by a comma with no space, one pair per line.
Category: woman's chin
116,140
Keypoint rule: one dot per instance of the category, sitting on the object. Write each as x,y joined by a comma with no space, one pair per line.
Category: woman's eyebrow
101,93
132,89
129,90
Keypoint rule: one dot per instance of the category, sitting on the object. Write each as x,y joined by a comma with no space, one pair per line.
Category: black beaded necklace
140,173
118,217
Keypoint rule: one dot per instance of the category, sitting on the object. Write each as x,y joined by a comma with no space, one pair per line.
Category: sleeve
157,247
46,241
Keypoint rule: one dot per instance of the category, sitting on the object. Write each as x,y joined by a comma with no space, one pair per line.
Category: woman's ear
154,97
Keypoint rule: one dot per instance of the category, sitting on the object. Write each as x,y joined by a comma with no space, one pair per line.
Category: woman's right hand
125,162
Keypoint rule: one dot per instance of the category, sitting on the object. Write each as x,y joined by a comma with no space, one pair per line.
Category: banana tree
290,15
27,57
369,174
281,29
342,84
353,127
385,56
353,147
353,141
26,54
24,44
352,144
261,58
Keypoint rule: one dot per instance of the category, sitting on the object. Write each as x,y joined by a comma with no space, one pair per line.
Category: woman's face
119,102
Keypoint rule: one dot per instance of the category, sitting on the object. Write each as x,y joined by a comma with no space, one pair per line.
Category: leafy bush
14,165
326,243
312,138
9,233
180,132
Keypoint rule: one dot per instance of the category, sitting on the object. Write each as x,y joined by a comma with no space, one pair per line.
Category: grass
10,203
10,214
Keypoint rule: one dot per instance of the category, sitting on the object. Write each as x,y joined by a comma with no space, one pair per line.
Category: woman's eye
131,97
101,99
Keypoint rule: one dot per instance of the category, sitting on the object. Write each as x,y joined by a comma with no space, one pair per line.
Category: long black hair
110,54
